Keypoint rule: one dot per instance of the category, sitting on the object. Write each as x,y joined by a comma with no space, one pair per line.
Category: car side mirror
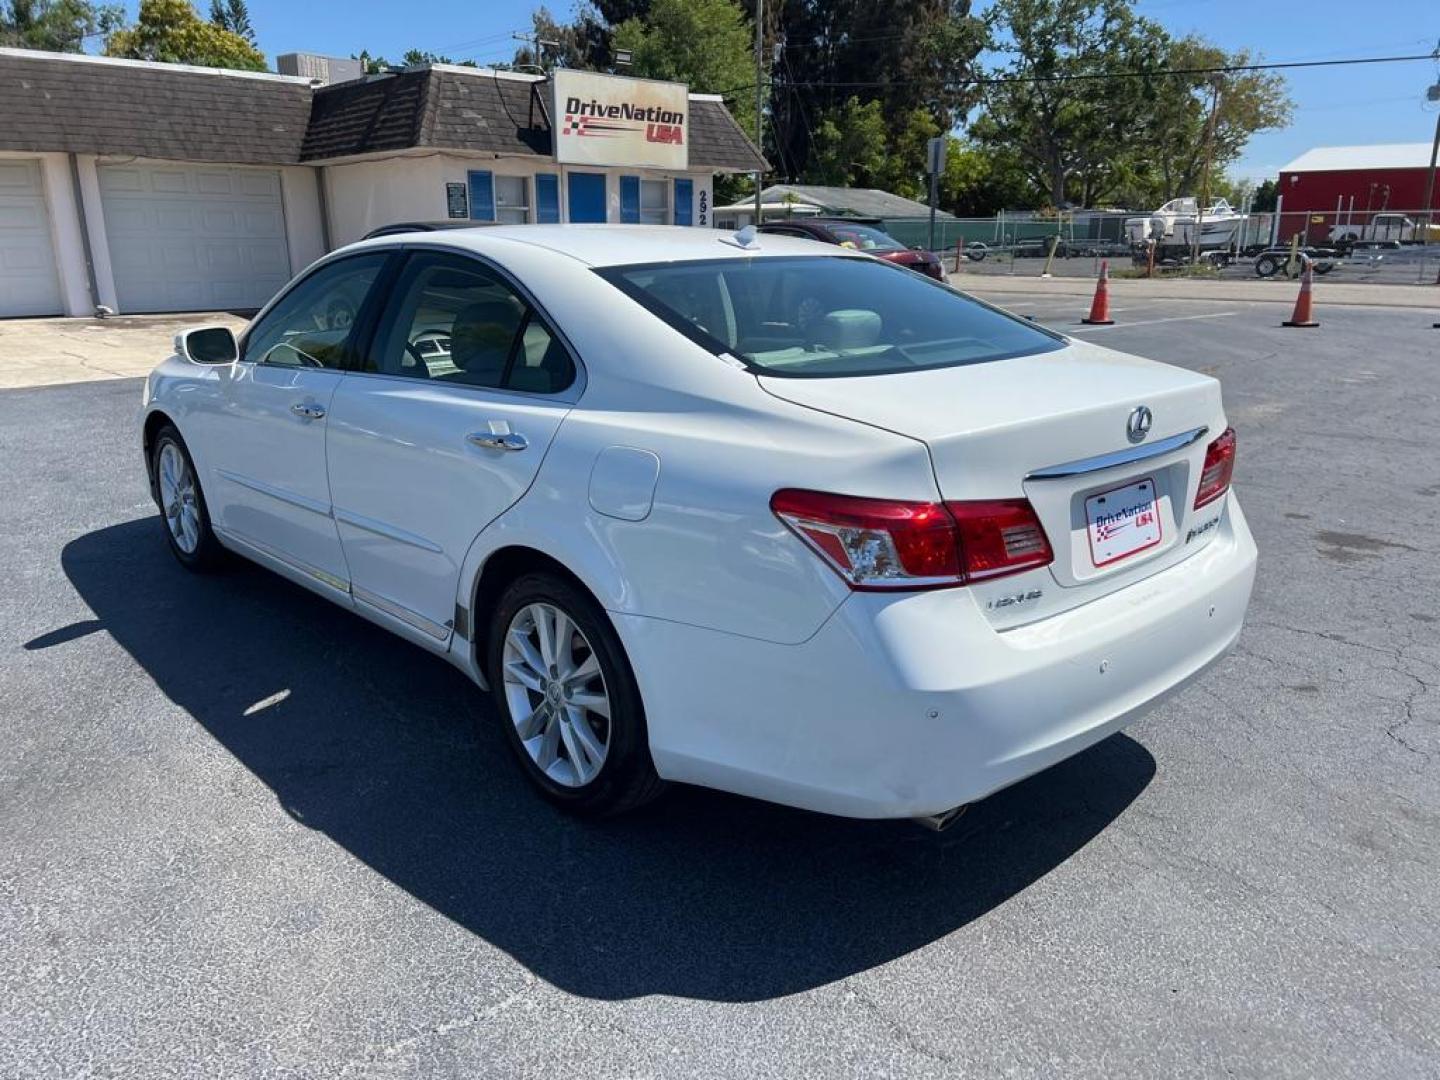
207,345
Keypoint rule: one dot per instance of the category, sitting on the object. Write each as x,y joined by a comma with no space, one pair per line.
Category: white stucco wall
300,197
368,194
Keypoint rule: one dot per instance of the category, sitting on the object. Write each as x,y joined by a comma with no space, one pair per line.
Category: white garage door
28,282
194,237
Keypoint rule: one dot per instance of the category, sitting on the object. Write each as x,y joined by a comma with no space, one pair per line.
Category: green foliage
55,25
583,44
234,16
979,182
703,43
904,55
1087,139
1267,195
170,31
849,148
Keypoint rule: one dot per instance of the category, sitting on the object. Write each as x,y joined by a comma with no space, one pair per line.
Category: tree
583,44
903,54
1267,195
55,25
1207,118
849,145
1055,106
703,43
234,16
979,182
170,31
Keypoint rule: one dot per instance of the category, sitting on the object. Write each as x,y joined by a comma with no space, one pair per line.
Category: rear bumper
903,706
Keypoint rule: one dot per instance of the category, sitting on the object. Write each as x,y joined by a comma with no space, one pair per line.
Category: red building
1361,181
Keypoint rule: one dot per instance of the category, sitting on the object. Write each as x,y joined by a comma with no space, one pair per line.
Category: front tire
182,504
567,698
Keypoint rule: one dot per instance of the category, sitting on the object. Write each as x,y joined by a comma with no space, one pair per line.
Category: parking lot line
1152,322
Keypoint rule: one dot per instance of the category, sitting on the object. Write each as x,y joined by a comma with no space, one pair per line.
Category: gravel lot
247,834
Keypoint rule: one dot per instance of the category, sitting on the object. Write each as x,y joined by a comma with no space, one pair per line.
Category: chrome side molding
1128,456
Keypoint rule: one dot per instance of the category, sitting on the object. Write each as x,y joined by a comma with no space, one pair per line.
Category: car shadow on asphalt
397,757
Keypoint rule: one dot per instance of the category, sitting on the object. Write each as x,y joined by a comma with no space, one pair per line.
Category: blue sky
1334,106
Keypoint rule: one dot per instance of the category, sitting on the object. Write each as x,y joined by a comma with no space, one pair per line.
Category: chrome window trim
1128,456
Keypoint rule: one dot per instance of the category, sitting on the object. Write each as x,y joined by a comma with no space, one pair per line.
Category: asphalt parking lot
248,834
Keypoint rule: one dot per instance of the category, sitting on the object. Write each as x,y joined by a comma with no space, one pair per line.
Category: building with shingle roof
162,187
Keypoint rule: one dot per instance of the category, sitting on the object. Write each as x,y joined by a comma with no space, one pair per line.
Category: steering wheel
416,359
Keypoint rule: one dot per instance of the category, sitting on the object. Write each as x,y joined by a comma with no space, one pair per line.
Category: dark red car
862,235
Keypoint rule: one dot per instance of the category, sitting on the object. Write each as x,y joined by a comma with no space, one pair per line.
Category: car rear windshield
826,316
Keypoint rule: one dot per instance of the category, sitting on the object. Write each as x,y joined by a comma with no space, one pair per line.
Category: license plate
1122,521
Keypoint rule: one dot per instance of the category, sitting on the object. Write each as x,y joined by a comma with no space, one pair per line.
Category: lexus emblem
1138,426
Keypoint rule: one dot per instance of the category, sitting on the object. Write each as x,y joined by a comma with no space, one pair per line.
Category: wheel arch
155,419
500,567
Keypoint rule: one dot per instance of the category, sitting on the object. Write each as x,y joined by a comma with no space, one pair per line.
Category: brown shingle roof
81,105
442,109
52,103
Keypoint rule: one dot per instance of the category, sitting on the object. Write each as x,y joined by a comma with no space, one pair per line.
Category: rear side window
453,320
826,317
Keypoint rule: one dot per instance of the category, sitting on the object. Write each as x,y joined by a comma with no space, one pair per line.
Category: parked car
859,234
728,509
1038,247
1276,260
1386,227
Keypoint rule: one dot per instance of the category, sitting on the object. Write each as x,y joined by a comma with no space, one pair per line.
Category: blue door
586,196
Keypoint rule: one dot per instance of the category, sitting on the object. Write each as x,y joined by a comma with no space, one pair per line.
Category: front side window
827,316
453,320
311,324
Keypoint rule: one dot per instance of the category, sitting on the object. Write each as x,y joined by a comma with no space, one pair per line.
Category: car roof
621,245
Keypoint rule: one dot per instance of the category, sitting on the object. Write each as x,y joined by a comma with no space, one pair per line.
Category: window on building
654,202
512,200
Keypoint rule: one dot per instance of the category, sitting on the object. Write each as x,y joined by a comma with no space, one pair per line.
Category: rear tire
1266,266
567,699
183,512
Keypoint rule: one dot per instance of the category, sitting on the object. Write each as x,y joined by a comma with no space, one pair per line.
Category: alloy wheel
556,694
178,498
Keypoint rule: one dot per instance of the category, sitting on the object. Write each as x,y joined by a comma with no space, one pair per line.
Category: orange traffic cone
1100,306
1302,315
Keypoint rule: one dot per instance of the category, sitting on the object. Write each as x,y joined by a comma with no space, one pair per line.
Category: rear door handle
490,440
307,410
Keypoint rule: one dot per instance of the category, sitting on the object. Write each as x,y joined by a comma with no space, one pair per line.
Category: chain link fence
1383,246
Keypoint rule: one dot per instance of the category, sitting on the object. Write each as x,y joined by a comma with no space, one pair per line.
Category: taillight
886,544
1219,467
998,537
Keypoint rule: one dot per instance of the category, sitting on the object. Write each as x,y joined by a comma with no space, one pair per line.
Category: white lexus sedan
755,513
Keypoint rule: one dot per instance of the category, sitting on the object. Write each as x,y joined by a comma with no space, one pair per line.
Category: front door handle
307,410
490,440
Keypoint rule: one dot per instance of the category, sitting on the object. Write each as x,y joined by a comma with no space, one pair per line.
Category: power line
1159,73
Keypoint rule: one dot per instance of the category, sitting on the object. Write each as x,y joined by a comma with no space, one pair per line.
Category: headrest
849,328
481,336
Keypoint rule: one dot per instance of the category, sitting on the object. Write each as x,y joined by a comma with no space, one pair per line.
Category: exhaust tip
943,820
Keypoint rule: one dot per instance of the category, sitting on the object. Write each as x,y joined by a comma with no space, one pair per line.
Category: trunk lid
1053,428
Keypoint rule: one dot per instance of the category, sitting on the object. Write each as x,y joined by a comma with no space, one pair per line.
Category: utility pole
1430,176
1205,176
759,98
